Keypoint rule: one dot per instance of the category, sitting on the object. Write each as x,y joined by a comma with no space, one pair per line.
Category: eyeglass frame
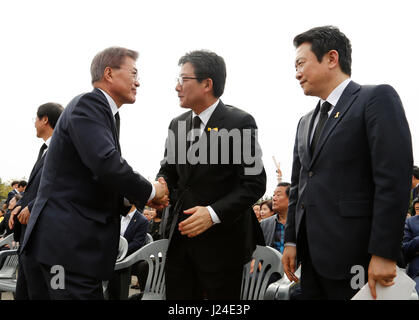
182,78
134,73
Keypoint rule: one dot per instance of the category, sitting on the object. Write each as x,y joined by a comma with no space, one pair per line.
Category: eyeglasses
133,73
181,79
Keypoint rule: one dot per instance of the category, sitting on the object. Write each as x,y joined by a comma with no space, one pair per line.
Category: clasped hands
161,198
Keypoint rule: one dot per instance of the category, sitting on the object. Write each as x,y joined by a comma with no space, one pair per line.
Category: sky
47,48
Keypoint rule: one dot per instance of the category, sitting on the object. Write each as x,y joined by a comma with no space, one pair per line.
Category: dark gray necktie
324,109
117,123
41,151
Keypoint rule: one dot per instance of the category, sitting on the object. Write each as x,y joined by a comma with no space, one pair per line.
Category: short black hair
287,185
52,111
14,182
326,38
207,64
416,172
22,183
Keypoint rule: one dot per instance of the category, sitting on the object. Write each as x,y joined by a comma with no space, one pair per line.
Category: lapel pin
337,115
215,129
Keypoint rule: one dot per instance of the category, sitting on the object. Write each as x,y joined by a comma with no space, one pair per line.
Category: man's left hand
199,221
380,270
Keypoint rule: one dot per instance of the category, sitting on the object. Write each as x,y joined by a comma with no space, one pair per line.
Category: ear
208,85
333,58
107,74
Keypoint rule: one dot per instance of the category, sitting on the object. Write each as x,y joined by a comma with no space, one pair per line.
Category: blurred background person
256,210
266,209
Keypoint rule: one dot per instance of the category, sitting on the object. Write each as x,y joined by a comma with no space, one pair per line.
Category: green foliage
5,188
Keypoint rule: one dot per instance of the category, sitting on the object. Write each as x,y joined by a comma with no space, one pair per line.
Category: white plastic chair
123,248
254,285
154,254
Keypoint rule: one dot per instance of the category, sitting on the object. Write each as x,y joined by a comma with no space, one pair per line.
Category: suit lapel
131,224
339,111
215,121
109,110
36,167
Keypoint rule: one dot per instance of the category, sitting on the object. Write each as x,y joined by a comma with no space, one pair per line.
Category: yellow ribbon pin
337,115
215,129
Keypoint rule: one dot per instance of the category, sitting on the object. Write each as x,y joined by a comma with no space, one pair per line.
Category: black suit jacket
136,232
75,221
225,187
354,190
29,196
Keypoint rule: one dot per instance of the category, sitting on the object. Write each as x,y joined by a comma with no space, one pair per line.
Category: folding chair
8,270
254,285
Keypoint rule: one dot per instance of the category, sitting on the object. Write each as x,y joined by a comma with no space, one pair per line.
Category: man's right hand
161,198
288,261
12,215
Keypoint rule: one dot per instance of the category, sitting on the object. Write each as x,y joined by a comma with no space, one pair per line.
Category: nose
137,83
178,87
298,75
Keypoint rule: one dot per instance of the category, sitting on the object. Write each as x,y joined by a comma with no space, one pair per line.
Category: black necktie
117,123
324,109
196,126
41,152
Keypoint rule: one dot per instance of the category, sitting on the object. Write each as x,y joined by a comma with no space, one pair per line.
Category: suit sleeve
91,132
290,233
252,178
392,162
167,167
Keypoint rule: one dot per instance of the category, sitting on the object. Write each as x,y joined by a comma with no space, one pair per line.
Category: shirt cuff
290,244
153,193
214,216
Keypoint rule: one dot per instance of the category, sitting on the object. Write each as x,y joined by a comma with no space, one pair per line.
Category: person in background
256,210
410,245
266,209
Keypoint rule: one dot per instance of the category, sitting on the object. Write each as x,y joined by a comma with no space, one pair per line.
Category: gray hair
111,57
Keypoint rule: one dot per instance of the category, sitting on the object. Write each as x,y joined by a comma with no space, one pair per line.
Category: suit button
310,174
302,206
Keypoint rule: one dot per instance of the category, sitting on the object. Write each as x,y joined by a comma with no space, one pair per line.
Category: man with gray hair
73,230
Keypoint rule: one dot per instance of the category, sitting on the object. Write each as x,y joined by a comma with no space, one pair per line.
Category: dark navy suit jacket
75,221
354,190
411,245
136,232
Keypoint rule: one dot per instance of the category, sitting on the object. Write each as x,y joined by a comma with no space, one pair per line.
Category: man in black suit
415,188
46,119
212,186
75,222
351,174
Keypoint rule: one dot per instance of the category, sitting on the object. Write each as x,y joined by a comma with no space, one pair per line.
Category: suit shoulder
182,117
378,89
268,220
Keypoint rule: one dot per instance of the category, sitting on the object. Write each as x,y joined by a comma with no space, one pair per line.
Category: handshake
161,198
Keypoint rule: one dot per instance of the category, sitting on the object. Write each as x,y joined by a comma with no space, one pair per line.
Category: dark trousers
313,285
184,281
21,285
41,279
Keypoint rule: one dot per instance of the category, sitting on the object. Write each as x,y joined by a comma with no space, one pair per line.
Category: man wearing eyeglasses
213,229
73,230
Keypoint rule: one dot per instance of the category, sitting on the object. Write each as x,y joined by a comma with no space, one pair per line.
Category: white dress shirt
125,222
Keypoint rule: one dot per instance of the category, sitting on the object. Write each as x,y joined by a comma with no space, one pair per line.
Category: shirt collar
112,103
130,215
335,95
48,141
207,113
